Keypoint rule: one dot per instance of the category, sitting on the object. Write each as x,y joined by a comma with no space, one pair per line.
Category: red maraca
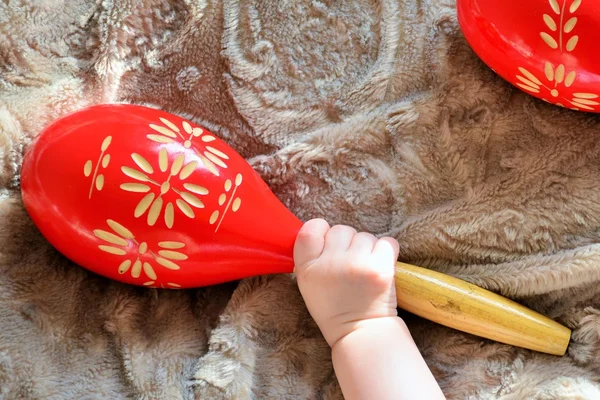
546,48
147,198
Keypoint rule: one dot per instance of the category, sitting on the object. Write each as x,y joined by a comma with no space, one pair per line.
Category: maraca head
145,197
546,48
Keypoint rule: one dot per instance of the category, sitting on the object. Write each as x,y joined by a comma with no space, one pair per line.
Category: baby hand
346,278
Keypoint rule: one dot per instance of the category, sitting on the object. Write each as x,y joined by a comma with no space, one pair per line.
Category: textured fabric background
370,113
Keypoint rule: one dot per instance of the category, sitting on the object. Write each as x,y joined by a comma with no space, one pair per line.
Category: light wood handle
468,308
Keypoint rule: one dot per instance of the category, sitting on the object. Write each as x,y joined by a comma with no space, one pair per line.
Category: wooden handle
468,308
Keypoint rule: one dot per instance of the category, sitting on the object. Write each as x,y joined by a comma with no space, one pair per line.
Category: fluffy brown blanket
372,113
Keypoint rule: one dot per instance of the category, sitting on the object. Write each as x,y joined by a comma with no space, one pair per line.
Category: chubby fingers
385,254
362,246
338,239
391,242
316,239
310,241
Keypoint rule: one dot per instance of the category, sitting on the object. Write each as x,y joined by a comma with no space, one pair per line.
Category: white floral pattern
168,132
561,37
103,161
137,255
158,180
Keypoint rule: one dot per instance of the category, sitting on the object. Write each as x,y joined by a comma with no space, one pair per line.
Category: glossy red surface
547,48
147,198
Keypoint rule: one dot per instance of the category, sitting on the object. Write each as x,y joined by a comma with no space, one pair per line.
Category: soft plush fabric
374,114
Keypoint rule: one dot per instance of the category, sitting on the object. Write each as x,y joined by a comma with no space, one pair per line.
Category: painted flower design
559,33
137,255
228,199
159,182
560,23
169,132
89,169
556,77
